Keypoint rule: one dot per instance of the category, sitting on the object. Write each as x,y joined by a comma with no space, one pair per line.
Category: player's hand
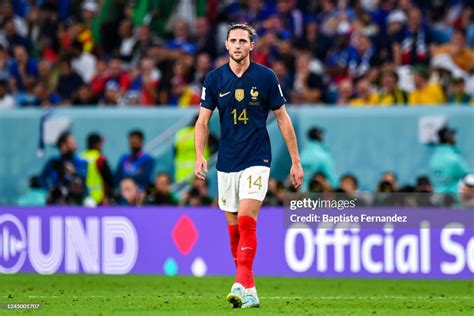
200,169
296,175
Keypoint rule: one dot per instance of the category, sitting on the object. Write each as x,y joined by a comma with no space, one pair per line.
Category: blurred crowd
157,53
87,179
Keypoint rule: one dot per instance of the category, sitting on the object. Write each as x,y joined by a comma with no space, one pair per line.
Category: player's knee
248,212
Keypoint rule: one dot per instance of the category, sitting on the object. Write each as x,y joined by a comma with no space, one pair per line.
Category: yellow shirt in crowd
430,95
397,97
372,100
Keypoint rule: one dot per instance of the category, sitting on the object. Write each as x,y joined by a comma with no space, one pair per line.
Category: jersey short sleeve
276,98
208,99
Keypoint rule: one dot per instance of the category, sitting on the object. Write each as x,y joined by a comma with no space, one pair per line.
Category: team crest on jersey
254,95
239,94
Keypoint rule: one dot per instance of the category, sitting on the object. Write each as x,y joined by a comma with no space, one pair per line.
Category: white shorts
250,183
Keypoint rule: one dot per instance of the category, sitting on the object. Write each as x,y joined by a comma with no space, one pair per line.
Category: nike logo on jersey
245,248
223,94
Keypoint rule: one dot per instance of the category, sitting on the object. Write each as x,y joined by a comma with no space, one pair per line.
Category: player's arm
288,133
201,134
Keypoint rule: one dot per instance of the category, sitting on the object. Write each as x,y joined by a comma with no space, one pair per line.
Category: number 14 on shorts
255,182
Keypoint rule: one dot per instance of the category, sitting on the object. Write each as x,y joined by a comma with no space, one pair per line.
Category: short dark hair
136,132
62,139
316,133
352,177
460,31
93,139
245,27
423,180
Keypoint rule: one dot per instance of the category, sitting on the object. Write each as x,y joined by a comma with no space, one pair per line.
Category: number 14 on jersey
240,117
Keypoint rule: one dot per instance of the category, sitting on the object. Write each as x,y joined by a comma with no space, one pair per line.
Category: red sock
234,235
246,251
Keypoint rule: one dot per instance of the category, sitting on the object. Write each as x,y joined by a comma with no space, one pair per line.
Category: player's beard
239,60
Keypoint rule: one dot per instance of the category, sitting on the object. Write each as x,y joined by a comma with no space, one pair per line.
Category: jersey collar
245,72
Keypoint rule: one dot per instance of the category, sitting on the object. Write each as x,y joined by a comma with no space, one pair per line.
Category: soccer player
243,92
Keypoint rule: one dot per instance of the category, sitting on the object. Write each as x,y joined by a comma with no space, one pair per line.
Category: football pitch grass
159,295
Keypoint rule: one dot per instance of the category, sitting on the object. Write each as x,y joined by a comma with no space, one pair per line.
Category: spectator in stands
6,99
447,167
130,193
69,81
8,14
391,178
390,93
319,183
291,17
184,152
13,37
100,78
337,59
423,184
363,58
181,37
197,195
348,183
364,95
23,70
285,78
276,193
425,93
390,43
386,191
137,164
47,74
48,19
177,91
146,83
145,40
128,41
381,32
35,196
83,63
414,44
59,171
77,194
204,38
160,193
316,158
85,96
307,86
203,66
424,190
80,32
42,96
111,94
4,63
116,74
345,92
99,179
457,50
466,192
458,93
314,40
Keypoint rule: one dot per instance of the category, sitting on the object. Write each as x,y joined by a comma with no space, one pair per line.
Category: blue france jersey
243,105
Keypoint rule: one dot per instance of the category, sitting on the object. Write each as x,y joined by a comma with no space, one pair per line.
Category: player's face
239,45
